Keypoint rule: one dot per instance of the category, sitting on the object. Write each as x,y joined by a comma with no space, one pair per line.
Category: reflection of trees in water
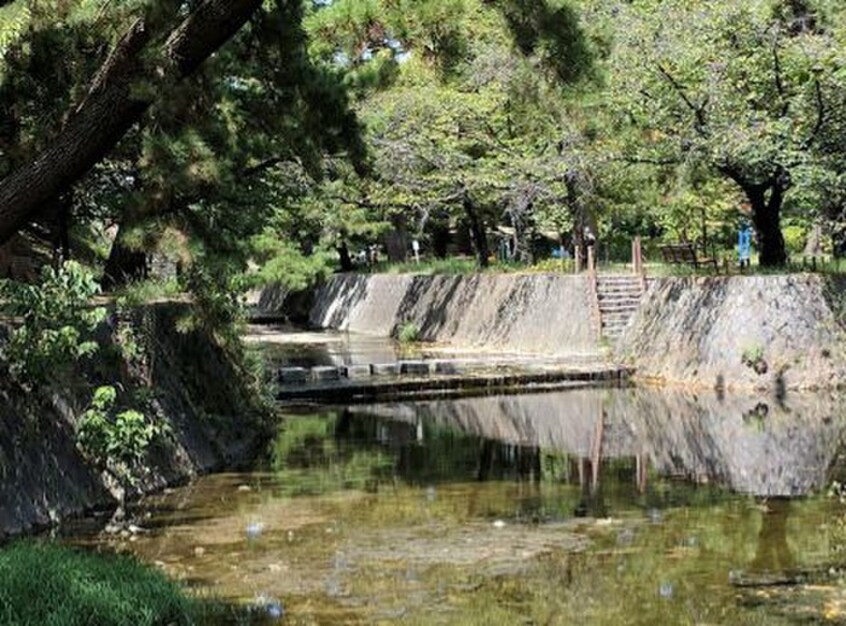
785,450
773,553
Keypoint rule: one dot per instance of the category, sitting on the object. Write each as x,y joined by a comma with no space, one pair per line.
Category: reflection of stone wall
699,331
543,314
752,444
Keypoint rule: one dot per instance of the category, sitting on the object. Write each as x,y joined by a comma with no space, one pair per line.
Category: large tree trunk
119,95
766,201
124,264
477,230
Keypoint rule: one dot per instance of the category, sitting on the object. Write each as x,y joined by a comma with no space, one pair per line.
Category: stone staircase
619,298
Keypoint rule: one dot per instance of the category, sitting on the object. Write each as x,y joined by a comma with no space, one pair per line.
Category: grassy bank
49,585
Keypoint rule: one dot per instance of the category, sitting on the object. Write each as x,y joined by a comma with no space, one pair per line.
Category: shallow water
614,506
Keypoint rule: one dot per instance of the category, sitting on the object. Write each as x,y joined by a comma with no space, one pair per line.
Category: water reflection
592,506
754,445
288,347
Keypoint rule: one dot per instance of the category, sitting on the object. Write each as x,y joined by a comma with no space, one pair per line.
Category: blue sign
744,246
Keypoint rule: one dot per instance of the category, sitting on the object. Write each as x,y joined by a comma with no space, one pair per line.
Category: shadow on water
612,506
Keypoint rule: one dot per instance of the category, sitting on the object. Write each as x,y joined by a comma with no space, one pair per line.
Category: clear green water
578,507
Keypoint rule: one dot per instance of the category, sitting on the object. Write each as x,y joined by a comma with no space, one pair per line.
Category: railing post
591,260
637,256
577,257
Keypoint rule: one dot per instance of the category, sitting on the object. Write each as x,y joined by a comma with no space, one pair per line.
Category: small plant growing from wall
753,357
408,333
118,440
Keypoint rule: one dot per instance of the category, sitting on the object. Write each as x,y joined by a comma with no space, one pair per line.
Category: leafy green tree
160,44
462,125
743,89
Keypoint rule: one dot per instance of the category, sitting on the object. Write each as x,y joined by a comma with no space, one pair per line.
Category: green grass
469,265
43,584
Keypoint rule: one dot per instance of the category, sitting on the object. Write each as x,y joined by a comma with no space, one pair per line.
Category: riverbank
181,379
740,332
775,332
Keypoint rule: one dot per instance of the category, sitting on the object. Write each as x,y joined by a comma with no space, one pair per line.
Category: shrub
57,322
121,438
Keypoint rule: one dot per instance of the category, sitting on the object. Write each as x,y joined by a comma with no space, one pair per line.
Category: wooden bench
685,254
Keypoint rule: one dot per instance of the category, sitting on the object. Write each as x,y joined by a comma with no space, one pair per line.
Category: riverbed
590,506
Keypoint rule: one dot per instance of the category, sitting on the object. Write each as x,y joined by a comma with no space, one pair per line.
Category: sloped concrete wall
532,313
698,331
193,386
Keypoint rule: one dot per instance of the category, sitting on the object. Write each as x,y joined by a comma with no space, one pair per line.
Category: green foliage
747,92
54,322
753,357
281,262
795,236
121,438
408,332
217,308
146,291
42,584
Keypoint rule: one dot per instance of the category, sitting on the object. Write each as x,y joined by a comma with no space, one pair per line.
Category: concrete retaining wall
740,331
537,313
189,383
733,332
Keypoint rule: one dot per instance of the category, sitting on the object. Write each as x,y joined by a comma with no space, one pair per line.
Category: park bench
685,254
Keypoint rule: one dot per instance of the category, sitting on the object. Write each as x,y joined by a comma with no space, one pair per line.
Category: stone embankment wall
536,313
777,332
735,332
187,381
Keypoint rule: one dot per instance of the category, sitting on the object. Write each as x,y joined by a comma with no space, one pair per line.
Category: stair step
619,299
616,315
632,288
628,293
627,311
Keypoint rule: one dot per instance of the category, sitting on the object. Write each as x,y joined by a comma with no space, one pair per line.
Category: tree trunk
766,215
477,230
346,259
124,265
582,218
115,102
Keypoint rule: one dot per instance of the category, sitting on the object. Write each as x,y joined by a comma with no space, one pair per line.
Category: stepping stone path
415,368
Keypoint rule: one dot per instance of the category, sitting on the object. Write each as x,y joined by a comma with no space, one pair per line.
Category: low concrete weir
420,386
547,314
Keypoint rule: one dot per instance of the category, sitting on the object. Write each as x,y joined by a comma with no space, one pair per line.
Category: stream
588,506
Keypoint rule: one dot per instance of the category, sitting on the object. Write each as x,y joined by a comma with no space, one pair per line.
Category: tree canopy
257,139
